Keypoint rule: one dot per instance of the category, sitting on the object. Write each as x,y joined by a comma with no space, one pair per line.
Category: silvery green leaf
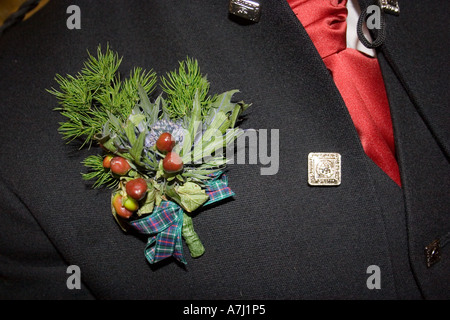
136,119
136,149
218,126
221,103
129,132
194,128
110,146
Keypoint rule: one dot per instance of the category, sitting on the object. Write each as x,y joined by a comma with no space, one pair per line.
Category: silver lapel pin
324,169
390,6
246,9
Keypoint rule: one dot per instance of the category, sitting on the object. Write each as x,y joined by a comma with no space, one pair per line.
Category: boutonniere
162,159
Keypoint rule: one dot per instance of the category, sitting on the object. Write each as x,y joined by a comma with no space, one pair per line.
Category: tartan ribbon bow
169,223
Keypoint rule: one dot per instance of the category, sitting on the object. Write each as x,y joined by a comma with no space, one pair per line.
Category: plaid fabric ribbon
164,226
217,188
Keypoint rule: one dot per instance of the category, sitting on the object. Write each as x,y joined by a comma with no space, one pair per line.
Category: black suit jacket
279,238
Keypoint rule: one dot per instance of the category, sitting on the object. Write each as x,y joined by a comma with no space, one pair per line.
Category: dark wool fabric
279,238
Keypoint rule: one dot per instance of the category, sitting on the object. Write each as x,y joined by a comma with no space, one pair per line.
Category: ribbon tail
149,251
168,241
191,238
164,245
178,248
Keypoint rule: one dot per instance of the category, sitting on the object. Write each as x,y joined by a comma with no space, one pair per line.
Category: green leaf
150,109
129,132
136,119
236,112
110,146
158,198
219,124
171,192
191,196
136,149
196,117
149,203
114,123
151,161
221,103
195,126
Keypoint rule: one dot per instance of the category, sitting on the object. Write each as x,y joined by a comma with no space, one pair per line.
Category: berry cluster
136,189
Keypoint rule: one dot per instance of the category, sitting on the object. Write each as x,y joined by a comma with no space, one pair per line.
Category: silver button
250,10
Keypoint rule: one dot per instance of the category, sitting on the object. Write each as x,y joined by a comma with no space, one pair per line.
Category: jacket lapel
420,118
422,72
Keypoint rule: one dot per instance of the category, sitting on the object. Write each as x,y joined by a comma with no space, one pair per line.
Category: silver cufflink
250,10
324,169
390,6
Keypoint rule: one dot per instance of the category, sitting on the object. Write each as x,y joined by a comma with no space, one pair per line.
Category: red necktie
357,77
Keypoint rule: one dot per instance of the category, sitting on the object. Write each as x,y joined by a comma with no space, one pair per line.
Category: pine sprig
100,71
129,87
87,99
98,173
181,87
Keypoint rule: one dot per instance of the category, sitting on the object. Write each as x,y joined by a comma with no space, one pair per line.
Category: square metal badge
324,169
250,10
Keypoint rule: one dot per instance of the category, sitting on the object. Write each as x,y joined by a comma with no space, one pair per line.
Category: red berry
165,142
172,162
119,166
119,208
107,161
136,188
